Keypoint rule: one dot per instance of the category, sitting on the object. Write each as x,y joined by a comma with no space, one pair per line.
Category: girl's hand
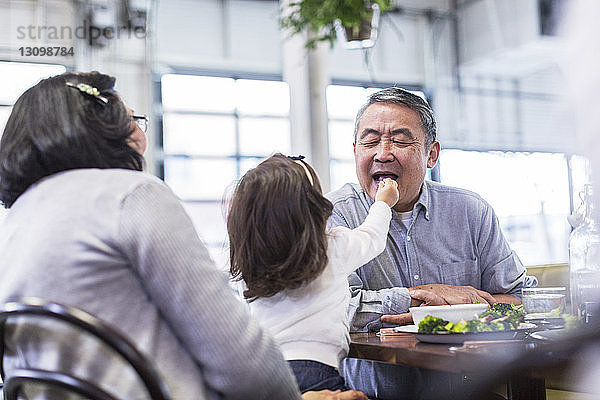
387,192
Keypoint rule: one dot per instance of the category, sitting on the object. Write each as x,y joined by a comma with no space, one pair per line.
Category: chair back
90,324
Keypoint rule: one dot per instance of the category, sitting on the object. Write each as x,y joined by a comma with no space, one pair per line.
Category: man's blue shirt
454,238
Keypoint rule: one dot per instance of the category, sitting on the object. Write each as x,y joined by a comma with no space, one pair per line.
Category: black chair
16,379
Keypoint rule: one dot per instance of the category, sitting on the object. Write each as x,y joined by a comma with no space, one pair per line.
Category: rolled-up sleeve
366,306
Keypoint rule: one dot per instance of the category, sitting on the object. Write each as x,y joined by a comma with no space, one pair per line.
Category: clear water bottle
584,259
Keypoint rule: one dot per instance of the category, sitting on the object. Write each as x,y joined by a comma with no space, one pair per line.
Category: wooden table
474,361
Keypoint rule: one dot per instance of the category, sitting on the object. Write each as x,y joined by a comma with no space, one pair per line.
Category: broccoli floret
501,316
431,324
496,326
495,314
474,325
502,308
514,313
509,324
459,326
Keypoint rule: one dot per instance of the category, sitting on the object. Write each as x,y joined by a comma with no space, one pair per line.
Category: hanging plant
319,17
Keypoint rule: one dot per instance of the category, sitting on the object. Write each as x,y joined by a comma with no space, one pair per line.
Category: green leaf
319,16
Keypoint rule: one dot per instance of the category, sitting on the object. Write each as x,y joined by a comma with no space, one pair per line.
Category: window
528,191
214,130
4,114
15,78
343,103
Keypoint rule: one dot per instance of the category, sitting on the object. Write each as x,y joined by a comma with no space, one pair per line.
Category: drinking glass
544,302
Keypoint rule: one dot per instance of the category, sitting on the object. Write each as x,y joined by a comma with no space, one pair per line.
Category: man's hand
337,395
398,319
436,294
507,298
418,297
439,294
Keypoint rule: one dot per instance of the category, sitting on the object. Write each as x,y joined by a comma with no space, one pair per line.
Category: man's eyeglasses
141,120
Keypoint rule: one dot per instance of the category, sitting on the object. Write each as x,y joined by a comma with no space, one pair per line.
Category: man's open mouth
380,177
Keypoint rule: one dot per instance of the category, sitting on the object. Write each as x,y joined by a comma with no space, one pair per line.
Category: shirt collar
423,199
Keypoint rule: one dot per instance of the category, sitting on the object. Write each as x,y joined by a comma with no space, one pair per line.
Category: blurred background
224,86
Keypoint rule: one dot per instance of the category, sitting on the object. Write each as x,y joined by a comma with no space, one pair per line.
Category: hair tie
89,90
300,161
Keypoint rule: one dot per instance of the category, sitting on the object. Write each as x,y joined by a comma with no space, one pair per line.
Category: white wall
486,26
498,39
244,36
213,35
510,81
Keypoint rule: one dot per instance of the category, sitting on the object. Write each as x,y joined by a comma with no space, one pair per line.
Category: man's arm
367,306
507,298
334,395
440,294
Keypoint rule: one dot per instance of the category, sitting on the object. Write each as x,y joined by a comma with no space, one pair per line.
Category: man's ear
434,153
354,148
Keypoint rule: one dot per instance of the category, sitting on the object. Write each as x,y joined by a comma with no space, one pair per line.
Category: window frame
161,157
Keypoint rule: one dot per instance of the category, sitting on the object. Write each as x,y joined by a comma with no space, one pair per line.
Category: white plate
460,337
407,329
555,334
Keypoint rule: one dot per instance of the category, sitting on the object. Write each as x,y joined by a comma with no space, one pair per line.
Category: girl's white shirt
310,323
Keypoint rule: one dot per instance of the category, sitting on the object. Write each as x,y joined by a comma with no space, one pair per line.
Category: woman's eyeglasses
141,120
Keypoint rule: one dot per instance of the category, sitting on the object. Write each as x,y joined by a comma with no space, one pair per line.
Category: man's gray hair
403,97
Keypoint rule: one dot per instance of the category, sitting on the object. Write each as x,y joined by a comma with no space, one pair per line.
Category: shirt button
408,238
416,277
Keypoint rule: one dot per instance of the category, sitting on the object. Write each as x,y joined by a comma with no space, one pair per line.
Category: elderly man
445,245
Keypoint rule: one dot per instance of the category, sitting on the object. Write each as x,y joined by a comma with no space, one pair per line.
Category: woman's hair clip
89,90
296,158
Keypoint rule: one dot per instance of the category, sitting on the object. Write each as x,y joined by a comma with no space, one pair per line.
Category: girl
295,273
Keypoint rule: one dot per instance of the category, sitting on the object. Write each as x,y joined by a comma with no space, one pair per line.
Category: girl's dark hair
276,225
54,127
